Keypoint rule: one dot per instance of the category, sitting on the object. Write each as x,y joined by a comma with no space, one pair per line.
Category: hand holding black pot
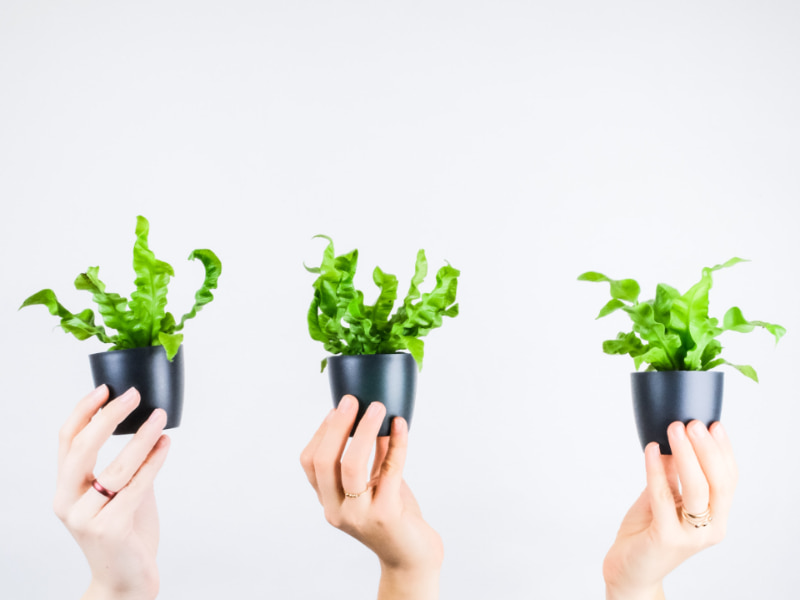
663,528
115,523
375,505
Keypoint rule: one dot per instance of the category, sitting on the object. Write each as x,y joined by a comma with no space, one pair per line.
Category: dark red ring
107,493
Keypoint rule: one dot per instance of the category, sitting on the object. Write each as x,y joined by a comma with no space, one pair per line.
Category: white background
525,142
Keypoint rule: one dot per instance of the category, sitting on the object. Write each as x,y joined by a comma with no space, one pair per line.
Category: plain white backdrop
524,142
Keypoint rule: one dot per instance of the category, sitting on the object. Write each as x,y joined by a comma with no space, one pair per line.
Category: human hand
655,537
118,536
378,510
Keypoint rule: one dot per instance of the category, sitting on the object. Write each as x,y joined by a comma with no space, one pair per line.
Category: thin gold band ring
699,520
361,493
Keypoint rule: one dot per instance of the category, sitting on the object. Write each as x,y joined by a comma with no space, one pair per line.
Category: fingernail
677,428
158,414
399,424
348,404
129,394
374,408
653,448
718,431
327,418
696,429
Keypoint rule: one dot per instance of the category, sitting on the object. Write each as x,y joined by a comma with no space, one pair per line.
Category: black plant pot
390,379
159,382
661,397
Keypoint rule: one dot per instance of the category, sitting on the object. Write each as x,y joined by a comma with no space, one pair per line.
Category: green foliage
143,320
340,320
674,332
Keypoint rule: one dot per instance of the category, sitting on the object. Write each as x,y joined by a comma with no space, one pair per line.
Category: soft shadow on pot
390,379
661,397
159,382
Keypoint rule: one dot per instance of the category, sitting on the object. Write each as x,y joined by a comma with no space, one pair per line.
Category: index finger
80,417
77,464
693,477
328,456
662,500
307,455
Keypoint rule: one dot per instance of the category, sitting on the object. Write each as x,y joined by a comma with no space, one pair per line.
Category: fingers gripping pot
390,379
158,380
662,397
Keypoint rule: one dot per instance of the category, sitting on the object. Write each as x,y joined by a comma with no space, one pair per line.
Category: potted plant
367,340
676,338
146,351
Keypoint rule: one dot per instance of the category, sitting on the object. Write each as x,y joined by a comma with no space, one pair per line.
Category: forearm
399,584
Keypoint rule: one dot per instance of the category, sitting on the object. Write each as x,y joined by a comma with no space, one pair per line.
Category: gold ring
351,495
697,521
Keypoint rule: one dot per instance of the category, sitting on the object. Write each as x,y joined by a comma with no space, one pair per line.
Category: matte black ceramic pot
661,397
159,381
390,379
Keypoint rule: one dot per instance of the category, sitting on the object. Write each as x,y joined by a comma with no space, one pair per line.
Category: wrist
409,583
655,592
99,591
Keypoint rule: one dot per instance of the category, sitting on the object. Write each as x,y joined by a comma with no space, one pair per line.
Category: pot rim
374,354
131,350
686,372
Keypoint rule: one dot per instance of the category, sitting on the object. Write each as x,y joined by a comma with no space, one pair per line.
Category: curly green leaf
655,333
149,300
420,272
382,309
621,289
745,370
416,348
734,321
626,343
171,342
114,310
82,325
610,307
213,269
